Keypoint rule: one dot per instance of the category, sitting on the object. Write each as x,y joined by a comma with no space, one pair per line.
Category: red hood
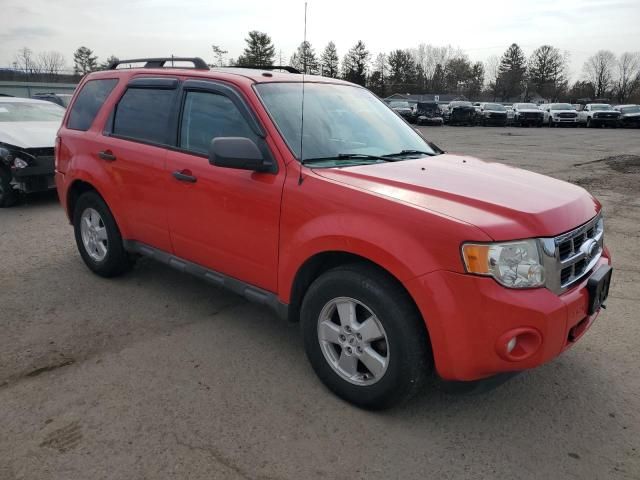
506,202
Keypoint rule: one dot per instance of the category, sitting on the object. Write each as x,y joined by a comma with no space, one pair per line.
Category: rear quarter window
88,103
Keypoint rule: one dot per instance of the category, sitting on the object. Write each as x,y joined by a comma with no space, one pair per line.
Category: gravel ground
157,375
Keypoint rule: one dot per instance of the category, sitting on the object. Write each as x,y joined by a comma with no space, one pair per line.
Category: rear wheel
98,237
364,337
8,196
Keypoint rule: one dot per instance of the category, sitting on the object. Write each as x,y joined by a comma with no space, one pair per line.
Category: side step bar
250,292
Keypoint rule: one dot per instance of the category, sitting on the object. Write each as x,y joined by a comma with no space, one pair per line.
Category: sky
147,28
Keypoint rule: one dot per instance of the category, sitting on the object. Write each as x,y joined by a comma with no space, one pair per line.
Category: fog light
511,344
20,163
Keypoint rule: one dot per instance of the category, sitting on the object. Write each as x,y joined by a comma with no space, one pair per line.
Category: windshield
494,106
30,112
561,106
338,119
460,104
400,105
601,106
635,109
527,105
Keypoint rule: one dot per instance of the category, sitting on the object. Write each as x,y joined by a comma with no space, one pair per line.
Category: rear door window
88,103
143,114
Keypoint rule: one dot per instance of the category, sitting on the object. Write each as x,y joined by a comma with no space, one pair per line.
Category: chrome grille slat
570,262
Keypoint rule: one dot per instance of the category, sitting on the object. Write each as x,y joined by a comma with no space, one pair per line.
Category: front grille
576,253
567,115
498,115
532,115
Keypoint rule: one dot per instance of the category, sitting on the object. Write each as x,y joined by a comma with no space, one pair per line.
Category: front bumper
605,121
37,177
565,120
468,317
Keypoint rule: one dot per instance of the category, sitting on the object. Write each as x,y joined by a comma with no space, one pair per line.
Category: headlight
512,264
20,163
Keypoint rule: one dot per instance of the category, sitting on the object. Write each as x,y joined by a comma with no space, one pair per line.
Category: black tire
410,361
551,124
589,124
8,196
117,261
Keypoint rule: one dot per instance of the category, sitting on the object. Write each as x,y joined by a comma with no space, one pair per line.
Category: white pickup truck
556,114
598,114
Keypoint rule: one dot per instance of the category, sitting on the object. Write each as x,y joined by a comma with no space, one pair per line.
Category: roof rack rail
198,63
286,68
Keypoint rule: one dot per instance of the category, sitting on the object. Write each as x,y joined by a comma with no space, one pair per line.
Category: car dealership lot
157,375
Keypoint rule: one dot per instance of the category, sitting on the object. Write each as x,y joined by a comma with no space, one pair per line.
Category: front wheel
98,237
589,124
364,337
8,196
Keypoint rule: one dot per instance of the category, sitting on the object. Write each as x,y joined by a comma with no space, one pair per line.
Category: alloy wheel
353,341
94,235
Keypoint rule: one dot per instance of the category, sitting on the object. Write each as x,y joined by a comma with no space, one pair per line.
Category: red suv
398,260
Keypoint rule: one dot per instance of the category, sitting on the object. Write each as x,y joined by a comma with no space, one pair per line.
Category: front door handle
184,176
107,155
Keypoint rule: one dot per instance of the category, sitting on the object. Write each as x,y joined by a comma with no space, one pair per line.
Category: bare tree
628,75
598,70
25,61
50,63
428,57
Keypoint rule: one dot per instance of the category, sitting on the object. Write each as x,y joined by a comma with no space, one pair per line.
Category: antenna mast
304,71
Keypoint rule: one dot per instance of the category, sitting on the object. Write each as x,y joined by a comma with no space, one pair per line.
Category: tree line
424,69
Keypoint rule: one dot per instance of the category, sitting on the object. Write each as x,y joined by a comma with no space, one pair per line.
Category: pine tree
329,61
107,63
355,64
84,61
511,72
402,70
259,51
547,72
304,59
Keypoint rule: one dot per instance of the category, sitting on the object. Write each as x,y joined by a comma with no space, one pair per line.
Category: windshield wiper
346,156
408,152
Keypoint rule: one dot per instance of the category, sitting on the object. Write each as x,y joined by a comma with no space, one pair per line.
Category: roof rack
198,63
286,68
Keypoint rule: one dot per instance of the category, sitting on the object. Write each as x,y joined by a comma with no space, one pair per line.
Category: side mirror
238,152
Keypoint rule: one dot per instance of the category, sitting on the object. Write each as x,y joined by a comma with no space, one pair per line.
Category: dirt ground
158,375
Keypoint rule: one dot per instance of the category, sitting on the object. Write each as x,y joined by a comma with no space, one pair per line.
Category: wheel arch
320,263
77,188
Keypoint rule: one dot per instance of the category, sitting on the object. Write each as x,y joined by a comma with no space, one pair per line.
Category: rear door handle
184,176
107,155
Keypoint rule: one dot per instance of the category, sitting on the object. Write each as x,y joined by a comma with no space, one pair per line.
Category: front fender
322,215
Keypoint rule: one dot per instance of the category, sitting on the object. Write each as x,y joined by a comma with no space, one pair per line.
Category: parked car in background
428,113
27,135
629,116
403,109
510,114
492,114
557,114
61,99
527,114
598,115
460,113
398,261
